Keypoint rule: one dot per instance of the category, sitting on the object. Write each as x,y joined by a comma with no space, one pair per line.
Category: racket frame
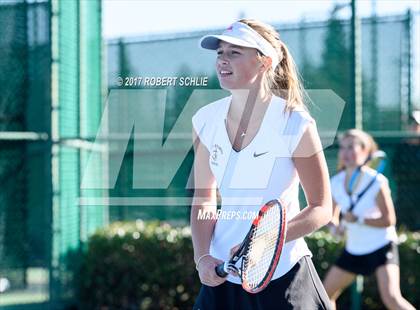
229,267
281,236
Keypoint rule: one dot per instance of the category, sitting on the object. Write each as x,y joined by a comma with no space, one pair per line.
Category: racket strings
262,248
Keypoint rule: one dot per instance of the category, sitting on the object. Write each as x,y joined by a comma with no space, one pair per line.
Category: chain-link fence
24,149
50,108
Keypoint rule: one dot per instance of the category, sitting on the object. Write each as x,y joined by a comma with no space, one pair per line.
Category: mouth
349,161
225,73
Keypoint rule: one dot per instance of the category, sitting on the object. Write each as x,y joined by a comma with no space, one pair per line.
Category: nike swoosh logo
256,155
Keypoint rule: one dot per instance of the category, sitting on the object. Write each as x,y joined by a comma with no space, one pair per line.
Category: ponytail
284,80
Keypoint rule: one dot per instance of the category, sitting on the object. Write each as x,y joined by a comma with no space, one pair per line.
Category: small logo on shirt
215,153
259,154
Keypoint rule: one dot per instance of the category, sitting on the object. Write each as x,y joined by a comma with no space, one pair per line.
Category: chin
227,86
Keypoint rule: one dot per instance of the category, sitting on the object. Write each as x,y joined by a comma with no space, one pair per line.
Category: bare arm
386,206
335,226
313,173
204,200
335,220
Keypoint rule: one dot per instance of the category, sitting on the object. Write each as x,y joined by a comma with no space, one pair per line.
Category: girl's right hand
207,272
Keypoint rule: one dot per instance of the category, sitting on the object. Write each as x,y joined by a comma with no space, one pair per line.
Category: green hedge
150,266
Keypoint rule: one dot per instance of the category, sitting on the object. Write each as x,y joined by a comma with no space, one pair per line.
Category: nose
222,59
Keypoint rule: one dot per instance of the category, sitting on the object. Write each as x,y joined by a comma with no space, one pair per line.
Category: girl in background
371,238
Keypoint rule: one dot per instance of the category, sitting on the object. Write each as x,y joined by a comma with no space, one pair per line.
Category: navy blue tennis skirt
300,288
367,264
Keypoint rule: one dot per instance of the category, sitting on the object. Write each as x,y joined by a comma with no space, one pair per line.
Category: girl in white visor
253,146
371,239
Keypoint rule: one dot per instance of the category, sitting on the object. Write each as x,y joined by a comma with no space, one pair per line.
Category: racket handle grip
220,270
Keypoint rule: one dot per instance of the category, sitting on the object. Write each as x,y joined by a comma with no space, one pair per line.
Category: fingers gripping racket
260,250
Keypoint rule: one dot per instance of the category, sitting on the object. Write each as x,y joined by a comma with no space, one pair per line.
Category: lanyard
353,178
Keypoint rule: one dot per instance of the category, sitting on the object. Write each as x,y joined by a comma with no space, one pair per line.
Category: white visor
242,35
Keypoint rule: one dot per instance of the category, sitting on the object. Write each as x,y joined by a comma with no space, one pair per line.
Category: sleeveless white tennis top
363,239
260,172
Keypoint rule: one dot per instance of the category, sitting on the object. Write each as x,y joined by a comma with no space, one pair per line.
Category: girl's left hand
234,249
232,252
350,217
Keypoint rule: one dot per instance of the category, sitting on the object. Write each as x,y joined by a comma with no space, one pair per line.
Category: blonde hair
284,81
363,138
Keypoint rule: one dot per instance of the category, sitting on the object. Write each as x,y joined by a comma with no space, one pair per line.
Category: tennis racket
376,161
260,250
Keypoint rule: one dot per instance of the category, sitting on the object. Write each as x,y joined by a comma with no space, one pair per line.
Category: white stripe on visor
241,34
